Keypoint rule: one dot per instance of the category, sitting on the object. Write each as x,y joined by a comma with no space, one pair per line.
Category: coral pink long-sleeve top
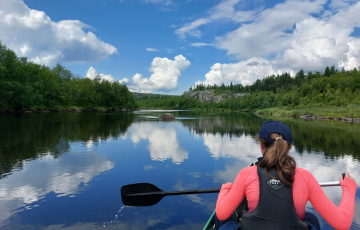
305,188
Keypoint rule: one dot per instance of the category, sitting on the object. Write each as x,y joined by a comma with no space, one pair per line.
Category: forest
331,93
142,96
27,86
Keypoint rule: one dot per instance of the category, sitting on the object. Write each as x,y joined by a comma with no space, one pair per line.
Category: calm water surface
65,170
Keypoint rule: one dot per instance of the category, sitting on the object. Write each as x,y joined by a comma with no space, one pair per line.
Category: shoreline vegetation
347,114
333,95
68,109
29,87
278,114
26,87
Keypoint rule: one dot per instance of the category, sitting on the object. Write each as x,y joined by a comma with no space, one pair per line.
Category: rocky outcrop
167,117
91,109
209,96
237,95
201,95
345,119
217,99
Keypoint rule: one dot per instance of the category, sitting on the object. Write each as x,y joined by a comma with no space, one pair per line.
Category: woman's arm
231,195
338,217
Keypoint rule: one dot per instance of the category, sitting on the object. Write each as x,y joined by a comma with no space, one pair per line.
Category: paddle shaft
330,183
213,190
184,192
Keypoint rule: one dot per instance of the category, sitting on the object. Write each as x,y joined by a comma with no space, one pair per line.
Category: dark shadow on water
29,136
333,138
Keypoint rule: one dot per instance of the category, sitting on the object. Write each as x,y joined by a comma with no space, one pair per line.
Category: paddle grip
343,176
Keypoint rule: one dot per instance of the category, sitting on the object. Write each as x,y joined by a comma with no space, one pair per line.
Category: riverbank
345,114
350,113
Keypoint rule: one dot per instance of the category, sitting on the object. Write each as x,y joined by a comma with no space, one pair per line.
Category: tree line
270,83
142,96
332,88
25,85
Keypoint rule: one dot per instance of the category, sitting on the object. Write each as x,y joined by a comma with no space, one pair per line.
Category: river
65,170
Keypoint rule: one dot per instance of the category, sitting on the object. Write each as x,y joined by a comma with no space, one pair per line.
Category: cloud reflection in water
163,143
63,176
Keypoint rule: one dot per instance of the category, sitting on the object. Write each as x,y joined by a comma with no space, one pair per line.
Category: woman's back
305,188
275,142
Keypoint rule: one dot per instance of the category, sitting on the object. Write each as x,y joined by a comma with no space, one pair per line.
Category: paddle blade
136,194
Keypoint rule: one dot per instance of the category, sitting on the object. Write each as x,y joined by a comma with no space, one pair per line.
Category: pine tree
327,71
332,70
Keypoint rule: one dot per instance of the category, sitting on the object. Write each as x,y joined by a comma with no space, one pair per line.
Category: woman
277,191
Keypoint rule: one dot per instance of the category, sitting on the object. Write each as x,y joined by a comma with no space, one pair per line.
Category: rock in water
167,117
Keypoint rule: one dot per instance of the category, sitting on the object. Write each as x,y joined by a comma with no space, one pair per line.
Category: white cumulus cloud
164,77
124,80
92,73
244,72
314,54
287,38
267,34
45,41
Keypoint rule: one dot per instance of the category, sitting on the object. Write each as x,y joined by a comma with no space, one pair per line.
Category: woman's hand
227,185
225,188
347,175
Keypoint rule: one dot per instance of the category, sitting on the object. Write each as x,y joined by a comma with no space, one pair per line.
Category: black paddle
145,194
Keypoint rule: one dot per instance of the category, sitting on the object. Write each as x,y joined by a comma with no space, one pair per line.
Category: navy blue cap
275,127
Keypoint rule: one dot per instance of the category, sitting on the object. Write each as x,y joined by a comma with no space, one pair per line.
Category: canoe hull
210,225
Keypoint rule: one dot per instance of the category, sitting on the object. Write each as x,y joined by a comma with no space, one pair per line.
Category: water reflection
64,171
65,176
163,143
31,136
333,138
242,147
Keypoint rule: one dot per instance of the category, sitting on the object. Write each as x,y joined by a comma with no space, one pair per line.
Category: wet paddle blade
137,194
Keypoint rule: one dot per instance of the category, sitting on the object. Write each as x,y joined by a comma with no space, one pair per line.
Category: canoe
210,225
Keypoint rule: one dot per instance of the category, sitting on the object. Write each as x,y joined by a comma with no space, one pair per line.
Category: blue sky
166,46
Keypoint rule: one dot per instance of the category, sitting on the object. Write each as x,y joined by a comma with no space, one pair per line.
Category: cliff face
209,96
201,95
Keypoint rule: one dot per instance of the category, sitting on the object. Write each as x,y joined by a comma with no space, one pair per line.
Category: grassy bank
351,111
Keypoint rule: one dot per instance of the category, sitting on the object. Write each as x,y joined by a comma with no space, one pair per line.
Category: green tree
300,77
333,70
327,71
